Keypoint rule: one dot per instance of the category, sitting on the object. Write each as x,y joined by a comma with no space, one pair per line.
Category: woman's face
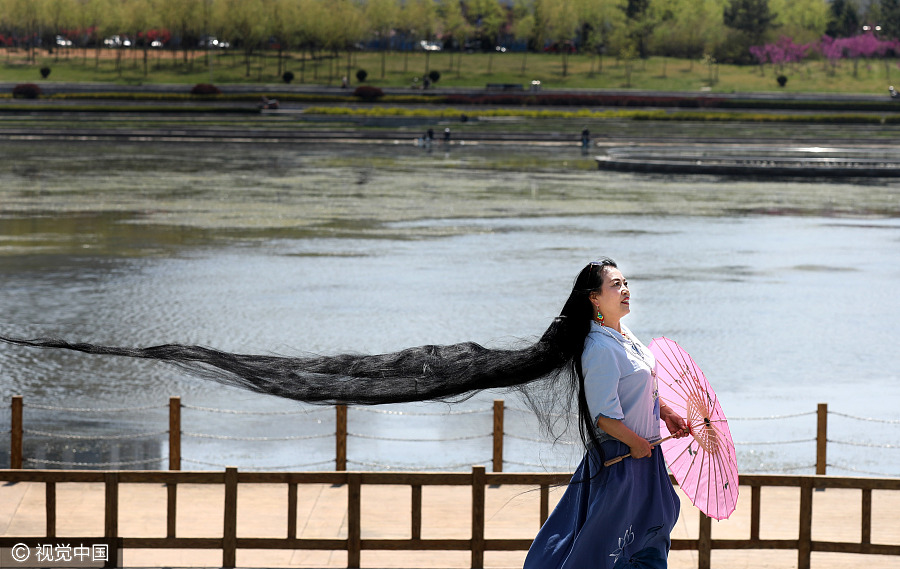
612,300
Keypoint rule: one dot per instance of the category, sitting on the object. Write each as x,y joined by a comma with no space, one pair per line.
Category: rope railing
861,471
267,468
538,440
309,411
862,444
765,443
94,409
548,468
866,419
116,464
407,467
417,440
772,417
342,435
255,439
421,413
94,437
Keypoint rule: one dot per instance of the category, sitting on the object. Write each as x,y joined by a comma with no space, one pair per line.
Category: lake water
785,293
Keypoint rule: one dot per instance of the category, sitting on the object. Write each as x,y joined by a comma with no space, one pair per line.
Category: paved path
511,512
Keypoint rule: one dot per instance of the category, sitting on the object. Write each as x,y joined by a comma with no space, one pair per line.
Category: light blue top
620,380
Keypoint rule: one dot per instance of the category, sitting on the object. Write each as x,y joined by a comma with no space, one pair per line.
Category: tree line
721,29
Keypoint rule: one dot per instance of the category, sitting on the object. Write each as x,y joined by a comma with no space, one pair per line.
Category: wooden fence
477,544
17,430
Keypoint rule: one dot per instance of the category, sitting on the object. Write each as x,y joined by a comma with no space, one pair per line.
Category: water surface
783,291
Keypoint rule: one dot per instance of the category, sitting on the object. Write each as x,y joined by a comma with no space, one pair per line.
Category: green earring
599,317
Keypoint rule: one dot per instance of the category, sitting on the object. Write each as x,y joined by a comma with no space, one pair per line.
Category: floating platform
769,161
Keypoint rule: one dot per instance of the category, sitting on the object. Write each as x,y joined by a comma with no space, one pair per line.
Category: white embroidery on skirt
624,542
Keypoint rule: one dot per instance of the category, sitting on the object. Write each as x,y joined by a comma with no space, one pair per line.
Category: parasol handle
612,461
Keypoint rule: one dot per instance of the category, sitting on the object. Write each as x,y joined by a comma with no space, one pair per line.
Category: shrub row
581,100
26,91
825,105
648,115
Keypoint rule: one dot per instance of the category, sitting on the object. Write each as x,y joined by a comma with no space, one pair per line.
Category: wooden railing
477,544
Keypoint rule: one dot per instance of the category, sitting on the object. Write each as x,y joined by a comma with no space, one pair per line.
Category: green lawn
466,70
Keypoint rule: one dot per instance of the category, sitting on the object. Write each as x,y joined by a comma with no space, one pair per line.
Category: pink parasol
704,464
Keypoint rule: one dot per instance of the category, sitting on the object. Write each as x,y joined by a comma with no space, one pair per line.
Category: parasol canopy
704,464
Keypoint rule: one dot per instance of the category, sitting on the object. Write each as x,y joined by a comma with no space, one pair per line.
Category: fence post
111,518
704,543
174,433
229,530
822,439
354,520
478,483
15,433
340,443
498,435
804,545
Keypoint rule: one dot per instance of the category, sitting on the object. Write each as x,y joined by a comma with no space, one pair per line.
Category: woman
586,359
621,515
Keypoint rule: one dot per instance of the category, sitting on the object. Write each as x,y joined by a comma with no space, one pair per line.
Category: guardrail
477,544
497,434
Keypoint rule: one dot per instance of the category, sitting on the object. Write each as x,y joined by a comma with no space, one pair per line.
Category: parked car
561,47
117,41
429,46
212,41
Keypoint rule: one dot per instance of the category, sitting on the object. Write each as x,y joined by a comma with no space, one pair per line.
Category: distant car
212,41
561,47
473,45
117,41
63,42
429,46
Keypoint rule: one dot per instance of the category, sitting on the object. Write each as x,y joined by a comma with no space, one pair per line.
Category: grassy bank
457,70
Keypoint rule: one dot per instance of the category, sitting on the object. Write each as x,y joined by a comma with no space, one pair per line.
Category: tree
308,33
558,22
802,20
60,15
890,18
188,20
416,22
749,22
490,18
138,18
524,27
456,29
381,16
27,16
245,23
844,20
599,19
352,29
692,28
641,20
106,18
752,17
284,19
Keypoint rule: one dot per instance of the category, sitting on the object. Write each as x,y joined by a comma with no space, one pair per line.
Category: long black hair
548,372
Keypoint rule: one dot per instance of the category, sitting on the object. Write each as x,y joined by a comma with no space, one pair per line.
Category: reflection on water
293,253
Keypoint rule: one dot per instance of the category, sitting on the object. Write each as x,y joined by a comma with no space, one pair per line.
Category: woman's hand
638,445
674,422
640,448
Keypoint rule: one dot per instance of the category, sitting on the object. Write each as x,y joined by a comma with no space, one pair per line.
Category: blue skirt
622,517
